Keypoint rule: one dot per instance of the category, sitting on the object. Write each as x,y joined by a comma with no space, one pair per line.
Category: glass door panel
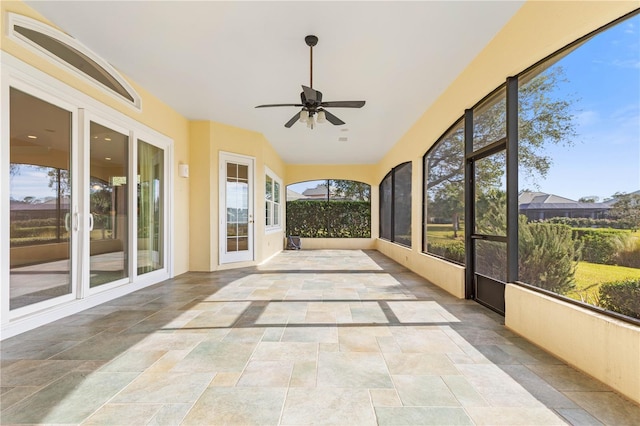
108,205
40,201
491,195
237,207
150,208
490,230
236,197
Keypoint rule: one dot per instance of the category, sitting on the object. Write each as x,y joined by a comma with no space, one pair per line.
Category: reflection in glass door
108,205
40,201
150,208
236,198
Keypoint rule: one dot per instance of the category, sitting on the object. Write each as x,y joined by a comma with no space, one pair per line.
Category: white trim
22,76
4,199
32,24
57,101
240,256
270,229
95,117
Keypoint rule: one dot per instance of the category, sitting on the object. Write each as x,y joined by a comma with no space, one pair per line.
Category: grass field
589,276
443,233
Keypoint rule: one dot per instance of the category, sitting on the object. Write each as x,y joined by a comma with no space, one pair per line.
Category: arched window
71,54
444,192
331,208
395,205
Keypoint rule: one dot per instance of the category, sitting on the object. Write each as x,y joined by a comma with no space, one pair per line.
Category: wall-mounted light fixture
183,170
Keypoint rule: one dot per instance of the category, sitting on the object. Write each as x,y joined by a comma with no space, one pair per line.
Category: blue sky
604,75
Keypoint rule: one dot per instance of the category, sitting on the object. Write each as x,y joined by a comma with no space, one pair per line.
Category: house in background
541,206
320,192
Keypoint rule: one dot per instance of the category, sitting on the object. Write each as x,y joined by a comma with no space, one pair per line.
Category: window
150,207
386,219
579,159
273,206
330,208
395,205
444,193
68,52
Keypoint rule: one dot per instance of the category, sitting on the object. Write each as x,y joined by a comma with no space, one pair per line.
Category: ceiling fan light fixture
311,100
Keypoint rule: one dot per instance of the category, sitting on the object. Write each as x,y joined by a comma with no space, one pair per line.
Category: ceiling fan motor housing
311,99
311,40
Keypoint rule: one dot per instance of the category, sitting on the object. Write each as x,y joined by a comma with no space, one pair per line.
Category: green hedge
622,297
329,219
452,251
585,222
600,245
36,231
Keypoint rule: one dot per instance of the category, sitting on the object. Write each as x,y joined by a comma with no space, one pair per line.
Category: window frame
273,205
392,219
71,43
460,123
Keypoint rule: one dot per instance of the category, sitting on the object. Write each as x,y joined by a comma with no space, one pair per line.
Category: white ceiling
215,60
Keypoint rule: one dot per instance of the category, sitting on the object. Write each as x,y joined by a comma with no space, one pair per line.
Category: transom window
68,52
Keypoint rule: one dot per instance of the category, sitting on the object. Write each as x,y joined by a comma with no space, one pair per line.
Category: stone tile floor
311,337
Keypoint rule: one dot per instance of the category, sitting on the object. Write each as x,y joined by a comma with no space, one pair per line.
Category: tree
350,190
543,120
589,199
626,209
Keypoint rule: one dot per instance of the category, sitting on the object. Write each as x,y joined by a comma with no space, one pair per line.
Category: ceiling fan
311,100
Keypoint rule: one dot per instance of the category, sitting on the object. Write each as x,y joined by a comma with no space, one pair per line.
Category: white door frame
244,255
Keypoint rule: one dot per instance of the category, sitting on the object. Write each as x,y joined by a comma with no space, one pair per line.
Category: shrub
452,251
601,245
622,297
329,219
629,254
585,222
35,232
548,255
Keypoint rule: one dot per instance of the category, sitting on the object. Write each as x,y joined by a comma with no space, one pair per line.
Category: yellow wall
537,30
606,348
365,173
154,114
208,140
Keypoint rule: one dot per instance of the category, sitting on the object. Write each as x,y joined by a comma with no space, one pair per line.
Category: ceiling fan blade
343,104
332,118
293,120
312,95
279,105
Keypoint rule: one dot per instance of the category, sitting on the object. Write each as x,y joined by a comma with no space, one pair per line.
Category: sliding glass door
108,205
150,198
87,203
41,244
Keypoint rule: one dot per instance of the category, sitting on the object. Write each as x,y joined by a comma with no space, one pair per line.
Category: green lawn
443,233
589,276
